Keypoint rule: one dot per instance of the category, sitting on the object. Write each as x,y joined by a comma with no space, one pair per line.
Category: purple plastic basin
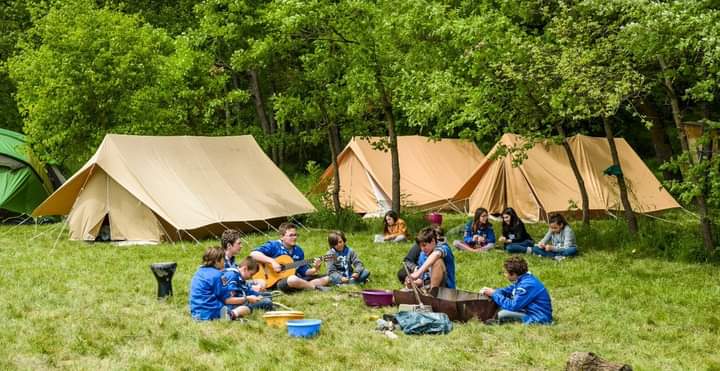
377,298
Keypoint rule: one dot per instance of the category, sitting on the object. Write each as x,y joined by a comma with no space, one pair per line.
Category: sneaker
231,315
559,257
322,288
492,322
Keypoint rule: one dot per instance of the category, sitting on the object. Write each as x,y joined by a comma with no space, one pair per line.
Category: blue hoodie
208,291
527,295
487,232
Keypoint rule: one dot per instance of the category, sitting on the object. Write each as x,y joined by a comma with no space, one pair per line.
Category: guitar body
268,274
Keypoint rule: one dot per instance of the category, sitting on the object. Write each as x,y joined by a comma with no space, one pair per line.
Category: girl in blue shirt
479,234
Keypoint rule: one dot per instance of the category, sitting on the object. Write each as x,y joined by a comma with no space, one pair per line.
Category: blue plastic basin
304,327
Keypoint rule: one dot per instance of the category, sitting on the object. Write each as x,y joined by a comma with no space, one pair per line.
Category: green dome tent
24,183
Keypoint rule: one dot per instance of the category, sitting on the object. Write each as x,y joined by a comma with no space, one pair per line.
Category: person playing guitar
274,256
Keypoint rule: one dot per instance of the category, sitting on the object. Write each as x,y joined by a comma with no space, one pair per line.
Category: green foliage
83,72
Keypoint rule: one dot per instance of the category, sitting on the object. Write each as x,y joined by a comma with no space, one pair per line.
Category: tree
676,47
83,72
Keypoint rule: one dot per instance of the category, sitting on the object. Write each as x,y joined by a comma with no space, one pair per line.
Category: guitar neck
300,263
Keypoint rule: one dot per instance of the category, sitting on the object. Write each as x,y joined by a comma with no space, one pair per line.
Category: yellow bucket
279,318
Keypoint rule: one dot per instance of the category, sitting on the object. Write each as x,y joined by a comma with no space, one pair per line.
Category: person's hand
355,276
476,238
541,245
252,299
481,239
317,263
487,291
344,280
415,275
258,287
276,266
502,239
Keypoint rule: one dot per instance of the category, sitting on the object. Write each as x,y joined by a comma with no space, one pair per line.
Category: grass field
71,305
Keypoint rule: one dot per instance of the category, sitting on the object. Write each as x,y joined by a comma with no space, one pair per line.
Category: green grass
73,305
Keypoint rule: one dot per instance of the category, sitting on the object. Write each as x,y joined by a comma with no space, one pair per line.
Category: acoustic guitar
289,266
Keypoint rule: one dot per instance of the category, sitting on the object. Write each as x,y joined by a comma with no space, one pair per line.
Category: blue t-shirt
275,248
236,285
230,263
208,292
448,259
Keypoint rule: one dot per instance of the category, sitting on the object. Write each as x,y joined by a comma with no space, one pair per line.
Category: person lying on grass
436,258
559,242
526,300
479,234
305,276
207,289
346,267
241,298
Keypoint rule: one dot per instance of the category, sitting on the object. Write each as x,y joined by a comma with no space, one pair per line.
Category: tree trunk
705,222
280,140
394,156
578,176
333,140
629,215
260,110
658,136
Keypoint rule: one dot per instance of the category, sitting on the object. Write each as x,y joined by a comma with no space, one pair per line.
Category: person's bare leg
299,283
437,274
322,281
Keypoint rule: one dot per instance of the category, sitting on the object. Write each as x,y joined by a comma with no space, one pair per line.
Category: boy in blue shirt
287,245
346,267
438,259
207,288
526,300
242,299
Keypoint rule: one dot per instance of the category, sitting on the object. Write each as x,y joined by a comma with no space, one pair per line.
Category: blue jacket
208,292
527,295
487,232
449,260
275,248
236,285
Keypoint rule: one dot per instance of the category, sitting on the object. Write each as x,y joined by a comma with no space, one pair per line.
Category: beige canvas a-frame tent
544,182
430,172
155,188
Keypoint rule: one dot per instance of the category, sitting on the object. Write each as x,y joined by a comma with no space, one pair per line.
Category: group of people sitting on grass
223,287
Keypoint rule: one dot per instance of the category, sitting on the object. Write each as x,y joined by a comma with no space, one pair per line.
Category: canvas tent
24,182
544,182
430,172
153,188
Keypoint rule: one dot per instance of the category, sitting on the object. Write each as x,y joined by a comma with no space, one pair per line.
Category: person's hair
476,219
514,220
426,235
439,233
284,227
394,215
250,263
558,219
229,236
334,238
212,255
516,265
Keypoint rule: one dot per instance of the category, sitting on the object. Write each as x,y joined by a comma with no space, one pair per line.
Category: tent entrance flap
128,217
